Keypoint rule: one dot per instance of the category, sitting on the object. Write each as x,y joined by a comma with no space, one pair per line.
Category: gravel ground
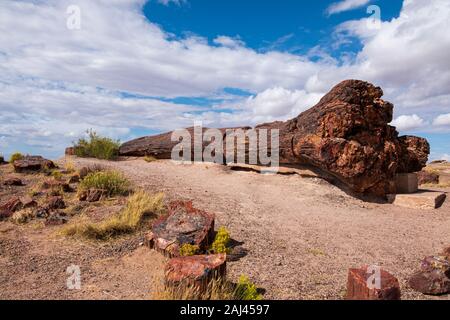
302,235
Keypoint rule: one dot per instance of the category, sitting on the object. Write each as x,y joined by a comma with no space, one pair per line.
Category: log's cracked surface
184,224
346,135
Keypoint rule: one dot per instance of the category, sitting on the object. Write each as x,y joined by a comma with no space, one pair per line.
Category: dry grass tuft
150,159
139,206
112,182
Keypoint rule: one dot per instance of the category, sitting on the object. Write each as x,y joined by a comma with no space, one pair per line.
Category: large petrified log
346,135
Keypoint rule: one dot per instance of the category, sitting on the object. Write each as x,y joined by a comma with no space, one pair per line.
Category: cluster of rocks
185,224
433,278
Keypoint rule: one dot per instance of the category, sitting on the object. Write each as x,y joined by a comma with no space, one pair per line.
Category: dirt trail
301,234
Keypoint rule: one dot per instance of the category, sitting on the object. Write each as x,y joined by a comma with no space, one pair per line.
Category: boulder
346,136
427,177
33,164
13,182
433,277
360,287
52,184
28,202
195,272
2,160
183,224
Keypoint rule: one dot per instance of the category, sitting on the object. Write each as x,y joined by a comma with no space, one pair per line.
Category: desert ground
300,236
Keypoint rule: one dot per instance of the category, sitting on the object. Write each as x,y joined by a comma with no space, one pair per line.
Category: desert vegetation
96,146
111,183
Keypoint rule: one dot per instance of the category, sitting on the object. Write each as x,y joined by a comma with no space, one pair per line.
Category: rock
28,202
42,212
13,182
92,195
414,154
406,183
183,224
424,200
346,136
55,202
2,160
70,151
14,204
446,253
74,179
195,271
32,164
56,219
53,184
358,286
427,177
5,214
433,277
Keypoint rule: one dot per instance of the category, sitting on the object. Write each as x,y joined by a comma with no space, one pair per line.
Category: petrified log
194,272
183,224
33,163
346,135
361,287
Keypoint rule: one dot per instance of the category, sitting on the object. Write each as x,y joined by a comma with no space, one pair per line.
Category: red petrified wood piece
195,271
362,285
184,224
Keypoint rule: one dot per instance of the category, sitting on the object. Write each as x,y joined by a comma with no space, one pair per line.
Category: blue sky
136,67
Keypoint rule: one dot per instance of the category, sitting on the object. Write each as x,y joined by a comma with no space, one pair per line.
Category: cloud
345,5
442,120
408,122
55,82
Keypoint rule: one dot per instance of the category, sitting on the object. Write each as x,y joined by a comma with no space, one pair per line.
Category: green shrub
111,182
126,221
188,249
97,147
246,290
15,156
221,241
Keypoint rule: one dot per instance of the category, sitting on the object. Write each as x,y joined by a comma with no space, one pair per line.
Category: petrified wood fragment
183,224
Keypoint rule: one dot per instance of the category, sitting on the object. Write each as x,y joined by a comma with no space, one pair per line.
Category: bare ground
301,235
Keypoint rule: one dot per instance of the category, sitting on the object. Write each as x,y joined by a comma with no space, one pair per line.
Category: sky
128,68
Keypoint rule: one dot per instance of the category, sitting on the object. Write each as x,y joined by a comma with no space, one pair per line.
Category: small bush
217,289
15,156
188,249
246,290
150,159
97,146
112,182
128,220
221,241
57,174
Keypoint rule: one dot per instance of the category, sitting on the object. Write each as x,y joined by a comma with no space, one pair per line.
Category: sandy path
302,234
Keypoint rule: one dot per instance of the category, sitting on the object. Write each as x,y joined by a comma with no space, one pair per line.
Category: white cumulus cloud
442,120
408,122
345,5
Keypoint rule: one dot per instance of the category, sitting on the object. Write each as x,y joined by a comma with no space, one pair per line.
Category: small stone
55,202
359,285
74,179
14,204
433,277
183,224
28,202
195,271
70,151
56,219
13,182
91,195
